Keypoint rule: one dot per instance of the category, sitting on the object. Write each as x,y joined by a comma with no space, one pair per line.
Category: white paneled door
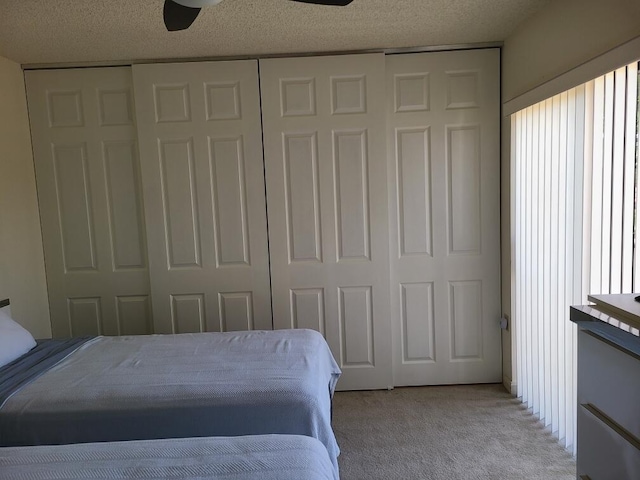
325,157
444,178
86,159
203,180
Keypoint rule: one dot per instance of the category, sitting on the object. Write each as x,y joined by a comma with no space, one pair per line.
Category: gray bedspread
262,457
173,386
39,360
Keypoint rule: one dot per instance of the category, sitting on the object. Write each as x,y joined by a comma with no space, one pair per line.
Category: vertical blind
615,263
574,178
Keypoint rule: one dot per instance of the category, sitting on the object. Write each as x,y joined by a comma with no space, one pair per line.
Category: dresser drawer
609,379
603,453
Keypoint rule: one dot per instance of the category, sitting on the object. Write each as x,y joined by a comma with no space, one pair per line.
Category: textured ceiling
75,31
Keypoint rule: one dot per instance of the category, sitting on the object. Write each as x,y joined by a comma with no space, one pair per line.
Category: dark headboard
4,303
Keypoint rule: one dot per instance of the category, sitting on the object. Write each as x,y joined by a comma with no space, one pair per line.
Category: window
574,229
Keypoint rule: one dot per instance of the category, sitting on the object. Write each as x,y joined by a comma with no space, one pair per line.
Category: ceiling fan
180,14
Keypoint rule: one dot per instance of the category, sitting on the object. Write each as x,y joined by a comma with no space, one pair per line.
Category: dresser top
623,306
616,329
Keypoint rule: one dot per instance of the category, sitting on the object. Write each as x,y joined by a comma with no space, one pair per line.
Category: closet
357,195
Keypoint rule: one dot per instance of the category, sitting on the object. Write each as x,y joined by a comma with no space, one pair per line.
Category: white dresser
608,388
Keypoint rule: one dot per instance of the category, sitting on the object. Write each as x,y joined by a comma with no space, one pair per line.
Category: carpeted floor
450,432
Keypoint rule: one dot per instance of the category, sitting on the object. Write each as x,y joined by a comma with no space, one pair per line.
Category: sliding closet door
324,135
444,172
86,159
203,180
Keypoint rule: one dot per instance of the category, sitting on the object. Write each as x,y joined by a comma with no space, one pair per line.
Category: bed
261,457
109,389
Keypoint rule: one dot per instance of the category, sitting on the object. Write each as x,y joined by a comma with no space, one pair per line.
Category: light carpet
449,432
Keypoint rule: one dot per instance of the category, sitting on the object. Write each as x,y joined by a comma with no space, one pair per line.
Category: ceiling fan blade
337,3
178,17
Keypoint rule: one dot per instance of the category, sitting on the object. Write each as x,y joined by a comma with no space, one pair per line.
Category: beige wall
22,277
505,245
562,36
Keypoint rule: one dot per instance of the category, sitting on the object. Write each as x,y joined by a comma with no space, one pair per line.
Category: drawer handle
619,429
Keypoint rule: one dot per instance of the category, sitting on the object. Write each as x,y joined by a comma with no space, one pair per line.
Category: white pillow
15,341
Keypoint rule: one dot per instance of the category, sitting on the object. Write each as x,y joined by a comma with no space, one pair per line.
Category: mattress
262,457
174,386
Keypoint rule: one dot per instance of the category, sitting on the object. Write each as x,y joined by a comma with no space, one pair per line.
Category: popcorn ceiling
75,31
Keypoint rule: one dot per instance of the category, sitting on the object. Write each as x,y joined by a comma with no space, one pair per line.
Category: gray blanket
39,360
262,457
173,386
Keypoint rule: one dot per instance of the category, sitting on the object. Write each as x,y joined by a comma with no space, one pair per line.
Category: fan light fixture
197,3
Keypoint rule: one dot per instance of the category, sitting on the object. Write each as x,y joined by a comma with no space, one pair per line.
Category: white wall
22,276
562,36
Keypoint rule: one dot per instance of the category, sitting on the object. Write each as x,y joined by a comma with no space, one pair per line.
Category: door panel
85,152
123,192
324,124
203,178
134,314
443,120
